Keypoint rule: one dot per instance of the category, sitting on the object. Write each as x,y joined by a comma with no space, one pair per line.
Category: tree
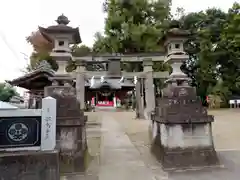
101,44
78,51
229,50
81,50
36,57
41,49
7,92
39,43
133,26
206,28
180,12
214,51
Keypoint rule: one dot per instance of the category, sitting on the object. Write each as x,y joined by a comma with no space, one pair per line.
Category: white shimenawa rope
135,80
92,81
102,78
122,78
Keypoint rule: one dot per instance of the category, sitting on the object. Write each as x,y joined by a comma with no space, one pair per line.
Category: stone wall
29,165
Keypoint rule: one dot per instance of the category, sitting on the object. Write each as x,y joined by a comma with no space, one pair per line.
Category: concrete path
120,160
120,147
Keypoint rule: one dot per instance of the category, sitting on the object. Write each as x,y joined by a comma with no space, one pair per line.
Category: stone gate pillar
80,83
149,86
139,101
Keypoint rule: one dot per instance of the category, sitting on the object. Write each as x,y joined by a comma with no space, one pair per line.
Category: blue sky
20,18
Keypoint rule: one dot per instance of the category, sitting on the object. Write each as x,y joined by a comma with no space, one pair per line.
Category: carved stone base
29,165
72,143
187,158
73,163
177,149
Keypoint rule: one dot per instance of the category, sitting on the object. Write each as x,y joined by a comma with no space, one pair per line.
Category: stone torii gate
62,35
145,78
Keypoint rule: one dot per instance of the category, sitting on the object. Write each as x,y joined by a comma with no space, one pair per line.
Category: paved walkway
120,160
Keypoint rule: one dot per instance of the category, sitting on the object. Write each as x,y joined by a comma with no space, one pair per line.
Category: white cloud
19,18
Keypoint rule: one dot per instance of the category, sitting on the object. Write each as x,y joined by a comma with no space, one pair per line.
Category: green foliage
81,50
229,50
222,91
7,92
42,49
132,67
160,66
136,26
78,51
37,57
214,101
202,47
133,26
214,51
101,44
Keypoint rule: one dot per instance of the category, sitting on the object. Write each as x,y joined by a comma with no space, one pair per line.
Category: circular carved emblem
18,132
182,92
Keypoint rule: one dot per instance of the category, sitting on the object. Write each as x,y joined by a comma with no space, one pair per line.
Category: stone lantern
61,35
182,129
174,44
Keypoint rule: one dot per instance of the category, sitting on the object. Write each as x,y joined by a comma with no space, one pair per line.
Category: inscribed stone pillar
139,102
149,86
80,83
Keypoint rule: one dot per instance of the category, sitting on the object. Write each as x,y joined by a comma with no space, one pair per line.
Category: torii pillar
149,87
80,83
139,99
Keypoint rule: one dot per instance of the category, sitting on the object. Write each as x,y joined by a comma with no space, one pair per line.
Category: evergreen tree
7,92
134,26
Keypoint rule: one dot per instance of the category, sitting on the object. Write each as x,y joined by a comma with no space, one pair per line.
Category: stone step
106,109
